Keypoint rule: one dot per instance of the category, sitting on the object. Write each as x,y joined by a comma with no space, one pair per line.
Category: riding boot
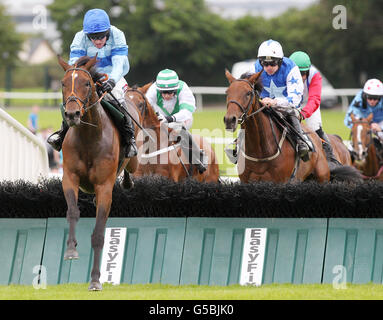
327,148
129,141
56,139
303,149
198,156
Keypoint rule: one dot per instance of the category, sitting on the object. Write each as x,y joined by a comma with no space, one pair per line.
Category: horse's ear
254,78
229,76
91,63
145,88
62,63
370,116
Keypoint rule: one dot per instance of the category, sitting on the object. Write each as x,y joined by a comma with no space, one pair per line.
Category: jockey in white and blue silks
368,100
282,85
108,42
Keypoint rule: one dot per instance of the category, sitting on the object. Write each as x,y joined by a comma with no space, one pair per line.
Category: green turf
195,292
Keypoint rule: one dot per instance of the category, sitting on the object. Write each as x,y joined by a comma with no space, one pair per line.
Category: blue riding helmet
95,21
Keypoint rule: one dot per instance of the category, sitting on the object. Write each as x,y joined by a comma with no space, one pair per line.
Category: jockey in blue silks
99,37
282,86
368,100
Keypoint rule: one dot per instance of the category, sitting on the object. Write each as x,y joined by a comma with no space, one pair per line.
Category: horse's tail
346,174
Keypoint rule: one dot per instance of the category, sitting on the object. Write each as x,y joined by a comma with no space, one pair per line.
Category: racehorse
364,150
166,157
267,154
92,157
341,152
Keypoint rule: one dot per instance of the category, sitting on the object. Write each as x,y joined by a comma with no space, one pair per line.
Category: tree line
186,36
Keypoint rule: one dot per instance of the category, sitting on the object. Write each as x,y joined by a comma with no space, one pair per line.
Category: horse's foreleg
73,215
104,202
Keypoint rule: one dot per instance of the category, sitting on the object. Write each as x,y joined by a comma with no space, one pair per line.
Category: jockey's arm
294,88
77,48
314,98
119,55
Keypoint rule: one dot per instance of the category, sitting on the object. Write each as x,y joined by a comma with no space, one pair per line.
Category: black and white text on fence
113,255
253,256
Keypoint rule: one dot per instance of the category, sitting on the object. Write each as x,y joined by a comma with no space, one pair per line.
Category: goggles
168,92
269,63
98,35
369,97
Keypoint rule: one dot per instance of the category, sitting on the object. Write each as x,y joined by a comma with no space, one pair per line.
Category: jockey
174,103
368,100
108,42
312,81
282,86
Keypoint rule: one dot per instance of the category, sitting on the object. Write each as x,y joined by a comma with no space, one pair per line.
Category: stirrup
55,141
131,150
303,153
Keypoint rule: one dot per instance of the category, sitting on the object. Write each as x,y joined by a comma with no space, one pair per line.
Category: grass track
195,292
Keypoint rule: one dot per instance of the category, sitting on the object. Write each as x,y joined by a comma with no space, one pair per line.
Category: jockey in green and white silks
174,103
181,104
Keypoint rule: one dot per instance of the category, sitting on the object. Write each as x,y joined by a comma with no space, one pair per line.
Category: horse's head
241,98
361,137
77,88
137,96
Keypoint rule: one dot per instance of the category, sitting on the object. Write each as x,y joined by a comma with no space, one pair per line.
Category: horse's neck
372,161
259,136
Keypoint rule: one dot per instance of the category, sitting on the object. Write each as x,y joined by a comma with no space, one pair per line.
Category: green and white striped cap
167,80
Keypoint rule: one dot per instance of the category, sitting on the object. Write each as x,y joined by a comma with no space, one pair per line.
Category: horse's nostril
66,114
77,113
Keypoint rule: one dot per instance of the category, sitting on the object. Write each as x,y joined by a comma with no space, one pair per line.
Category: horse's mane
95,75
258,85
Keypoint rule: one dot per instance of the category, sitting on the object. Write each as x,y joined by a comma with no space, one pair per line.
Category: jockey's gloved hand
166,119
108,86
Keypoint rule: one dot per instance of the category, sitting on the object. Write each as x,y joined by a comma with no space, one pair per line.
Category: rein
74,97
254,94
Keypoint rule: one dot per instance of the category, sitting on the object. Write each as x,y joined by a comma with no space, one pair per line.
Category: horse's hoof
71,255
95,286
127,185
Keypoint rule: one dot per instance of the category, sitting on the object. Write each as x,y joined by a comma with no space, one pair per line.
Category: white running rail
23,156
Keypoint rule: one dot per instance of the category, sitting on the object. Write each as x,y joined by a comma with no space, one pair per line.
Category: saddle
277,116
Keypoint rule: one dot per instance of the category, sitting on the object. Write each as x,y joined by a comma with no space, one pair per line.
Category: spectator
33,119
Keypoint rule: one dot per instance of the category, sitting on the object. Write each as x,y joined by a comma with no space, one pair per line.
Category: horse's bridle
254,94
369,133
74,97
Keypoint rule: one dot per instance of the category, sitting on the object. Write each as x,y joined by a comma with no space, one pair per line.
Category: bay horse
366,156
340,150
267,154
166,157
92,157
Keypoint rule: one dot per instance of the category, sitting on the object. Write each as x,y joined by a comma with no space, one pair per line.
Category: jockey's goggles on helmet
266,63
168,91
370,97
98,35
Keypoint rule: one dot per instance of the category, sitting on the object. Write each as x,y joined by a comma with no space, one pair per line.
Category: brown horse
341,152
92,157
365,153
162,152
268,155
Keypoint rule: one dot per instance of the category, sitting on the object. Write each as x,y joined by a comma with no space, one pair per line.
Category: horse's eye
248,93
62,84
88,83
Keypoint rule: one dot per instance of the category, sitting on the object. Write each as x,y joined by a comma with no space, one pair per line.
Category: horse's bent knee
97,241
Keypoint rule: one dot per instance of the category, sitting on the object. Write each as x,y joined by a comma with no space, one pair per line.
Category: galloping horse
365,153
267,155
166,157
92,157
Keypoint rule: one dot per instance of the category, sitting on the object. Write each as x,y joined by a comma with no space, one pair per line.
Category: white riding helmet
270,49
167,80
373,87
